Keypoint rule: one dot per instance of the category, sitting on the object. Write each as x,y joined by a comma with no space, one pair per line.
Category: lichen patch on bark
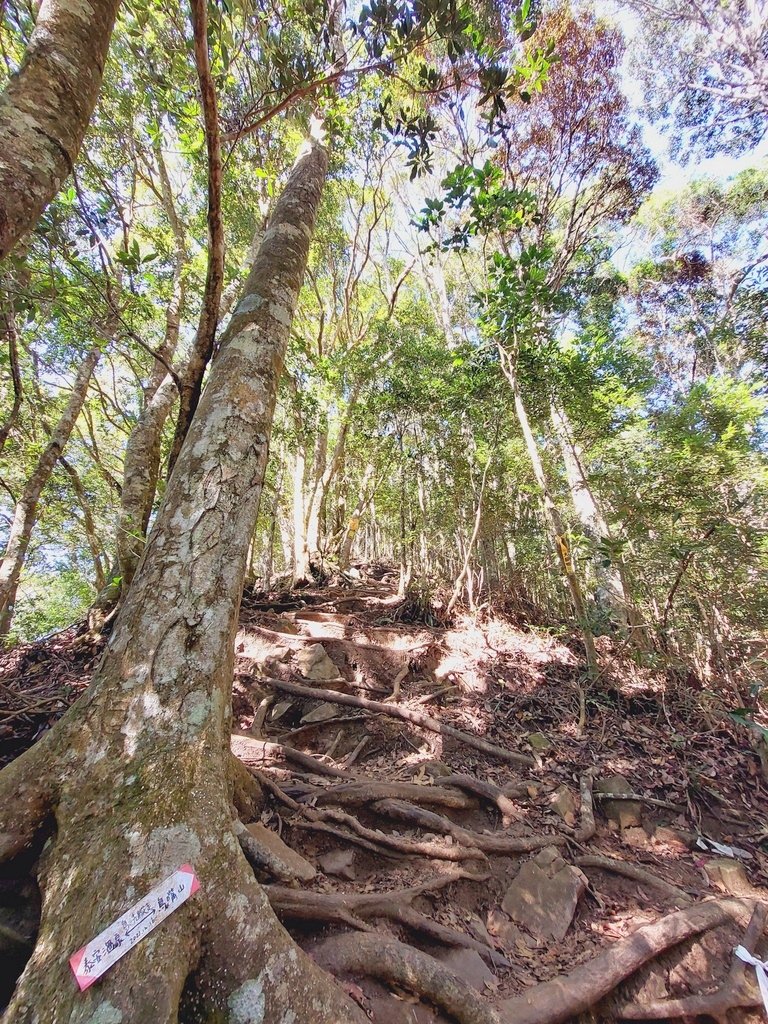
105,1013
163,850
247,1003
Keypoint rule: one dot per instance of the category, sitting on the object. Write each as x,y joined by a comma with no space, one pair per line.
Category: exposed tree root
26,802
735,992
350,759
410,847
347,837
380,840
420,923
487,791
402,965
262,752
311,727
353,909
395,695
364,793
501,845
638,874
277,791
195,956
639,798
555,1001
395,711
259,857
247,795
587,828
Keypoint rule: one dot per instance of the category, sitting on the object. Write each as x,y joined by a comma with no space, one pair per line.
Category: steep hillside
492,847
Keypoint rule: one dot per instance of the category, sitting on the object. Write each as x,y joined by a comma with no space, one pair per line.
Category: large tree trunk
613,594
141,463
141,468
552,513
609,596
363,500
25,513
136,773
202,347
46,108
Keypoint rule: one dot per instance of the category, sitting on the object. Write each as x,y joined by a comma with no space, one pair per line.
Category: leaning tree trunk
141,463
613,591
609,595
46,108
141,468
136,775
551,512
25,513
8,319
89,526
363,500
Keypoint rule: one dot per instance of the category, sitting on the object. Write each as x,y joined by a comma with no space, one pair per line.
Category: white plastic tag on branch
90,962
761,970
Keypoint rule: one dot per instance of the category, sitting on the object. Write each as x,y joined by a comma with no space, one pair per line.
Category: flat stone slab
293,862
321,713
563,803
624,813
468,965
544,895
315,664
338,862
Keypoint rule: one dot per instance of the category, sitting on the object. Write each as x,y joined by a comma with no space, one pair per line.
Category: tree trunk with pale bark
552,513
46,107
363,500
612,595
609,594
137,777
25,513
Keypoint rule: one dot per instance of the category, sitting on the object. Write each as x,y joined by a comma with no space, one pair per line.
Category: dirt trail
508,874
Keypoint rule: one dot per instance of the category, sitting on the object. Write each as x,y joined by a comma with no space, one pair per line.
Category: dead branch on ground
501,845
553,1002
735,992
406,714
637,874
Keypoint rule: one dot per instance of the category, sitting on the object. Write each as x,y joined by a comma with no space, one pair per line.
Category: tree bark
202,348
552,513
610,595
466,572
46,108
137,774
141,468
301,567
95,545
8,315
25,513
364,499
141,462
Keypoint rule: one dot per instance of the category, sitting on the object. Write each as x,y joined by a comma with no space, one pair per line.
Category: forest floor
510,866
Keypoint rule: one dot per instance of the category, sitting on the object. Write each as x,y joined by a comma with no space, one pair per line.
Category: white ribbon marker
90,962
761,970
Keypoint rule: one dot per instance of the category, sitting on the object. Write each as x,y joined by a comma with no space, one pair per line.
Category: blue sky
672,174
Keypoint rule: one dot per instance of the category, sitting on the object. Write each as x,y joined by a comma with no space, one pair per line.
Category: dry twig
408,715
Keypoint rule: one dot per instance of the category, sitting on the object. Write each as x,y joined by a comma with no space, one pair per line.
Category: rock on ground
544,895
